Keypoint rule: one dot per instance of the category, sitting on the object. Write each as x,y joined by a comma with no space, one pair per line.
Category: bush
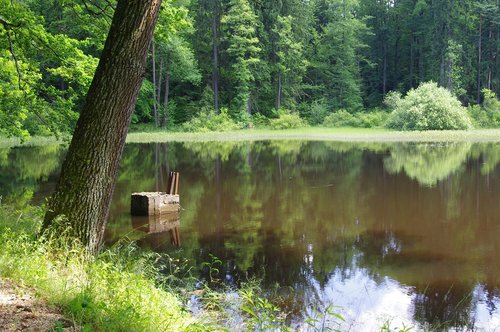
287,120
316,112
429,107
342,118
487,115
209,121
260,120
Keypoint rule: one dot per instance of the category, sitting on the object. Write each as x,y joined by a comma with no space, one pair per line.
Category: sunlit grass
115,291
7,142
308,133
321,134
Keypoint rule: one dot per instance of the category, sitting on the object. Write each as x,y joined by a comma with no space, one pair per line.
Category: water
383,232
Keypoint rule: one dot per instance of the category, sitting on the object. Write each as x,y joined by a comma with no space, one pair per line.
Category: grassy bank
321,134
309,133
124,288
118,290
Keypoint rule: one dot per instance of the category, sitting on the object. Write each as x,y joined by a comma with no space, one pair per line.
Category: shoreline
309,134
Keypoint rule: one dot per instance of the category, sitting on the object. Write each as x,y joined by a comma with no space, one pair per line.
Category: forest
218,65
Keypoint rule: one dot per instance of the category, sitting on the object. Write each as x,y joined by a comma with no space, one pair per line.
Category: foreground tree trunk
82,198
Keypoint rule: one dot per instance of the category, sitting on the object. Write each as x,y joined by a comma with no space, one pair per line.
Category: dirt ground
20,310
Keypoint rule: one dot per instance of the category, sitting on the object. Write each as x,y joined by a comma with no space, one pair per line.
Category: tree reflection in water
383,230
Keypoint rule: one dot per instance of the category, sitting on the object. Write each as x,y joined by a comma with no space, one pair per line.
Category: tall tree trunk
384,71
158,89
215,69
155,105
412,58
249,105
167,92
80,204
280,88
491,61
479,53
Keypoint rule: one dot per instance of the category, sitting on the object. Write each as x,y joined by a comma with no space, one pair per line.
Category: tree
338,66
82,198
43,75
291,64
239,24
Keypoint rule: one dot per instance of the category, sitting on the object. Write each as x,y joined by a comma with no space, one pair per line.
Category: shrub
392,99
287,120
316,112
487,115
209,121
260,120
342,118
429,107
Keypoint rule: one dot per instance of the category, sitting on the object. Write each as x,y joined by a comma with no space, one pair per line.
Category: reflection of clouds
486,314
366,304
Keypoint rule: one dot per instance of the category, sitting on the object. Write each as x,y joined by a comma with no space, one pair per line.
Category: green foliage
322,320
239,24
287,120
487,115
205,122
342,118
316,112
429,107
114,291
44,76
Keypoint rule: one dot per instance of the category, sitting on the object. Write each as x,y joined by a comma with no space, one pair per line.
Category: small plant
316,112
287,120
388,328
325,320
213,267
264,316
487,115
341,118
209,121
429,107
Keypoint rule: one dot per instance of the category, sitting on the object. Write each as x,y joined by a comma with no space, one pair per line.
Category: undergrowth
124,288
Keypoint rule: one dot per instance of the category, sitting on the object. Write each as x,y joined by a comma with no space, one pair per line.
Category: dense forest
247,58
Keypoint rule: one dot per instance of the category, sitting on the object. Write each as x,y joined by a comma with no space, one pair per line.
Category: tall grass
124,288
119,290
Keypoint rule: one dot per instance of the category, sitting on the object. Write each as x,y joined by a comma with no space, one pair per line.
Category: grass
119,290
124,288
308,133
321,134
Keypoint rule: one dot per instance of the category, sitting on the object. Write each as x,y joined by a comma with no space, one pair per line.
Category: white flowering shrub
429,107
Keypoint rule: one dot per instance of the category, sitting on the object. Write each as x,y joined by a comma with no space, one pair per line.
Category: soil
21,310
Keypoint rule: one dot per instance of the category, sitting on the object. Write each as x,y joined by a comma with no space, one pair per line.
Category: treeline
313,57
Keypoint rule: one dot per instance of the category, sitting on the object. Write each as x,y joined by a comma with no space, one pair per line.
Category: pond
406,233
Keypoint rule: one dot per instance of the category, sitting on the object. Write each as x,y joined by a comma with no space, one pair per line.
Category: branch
102,11
11,49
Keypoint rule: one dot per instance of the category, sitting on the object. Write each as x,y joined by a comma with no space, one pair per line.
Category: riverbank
124,288
321,134
309,133
22,310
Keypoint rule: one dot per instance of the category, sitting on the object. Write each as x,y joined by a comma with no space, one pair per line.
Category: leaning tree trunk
82,198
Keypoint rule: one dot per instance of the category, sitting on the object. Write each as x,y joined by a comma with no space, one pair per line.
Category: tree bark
280,87
215,69
80,204
158,90
167,92
155,106
479,54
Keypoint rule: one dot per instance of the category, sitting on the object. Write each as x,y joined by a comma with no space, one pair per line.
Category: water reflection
400,232
158,226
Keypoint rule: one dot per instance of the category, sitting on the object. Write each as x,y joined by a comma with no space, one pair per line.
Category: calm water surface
407,233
